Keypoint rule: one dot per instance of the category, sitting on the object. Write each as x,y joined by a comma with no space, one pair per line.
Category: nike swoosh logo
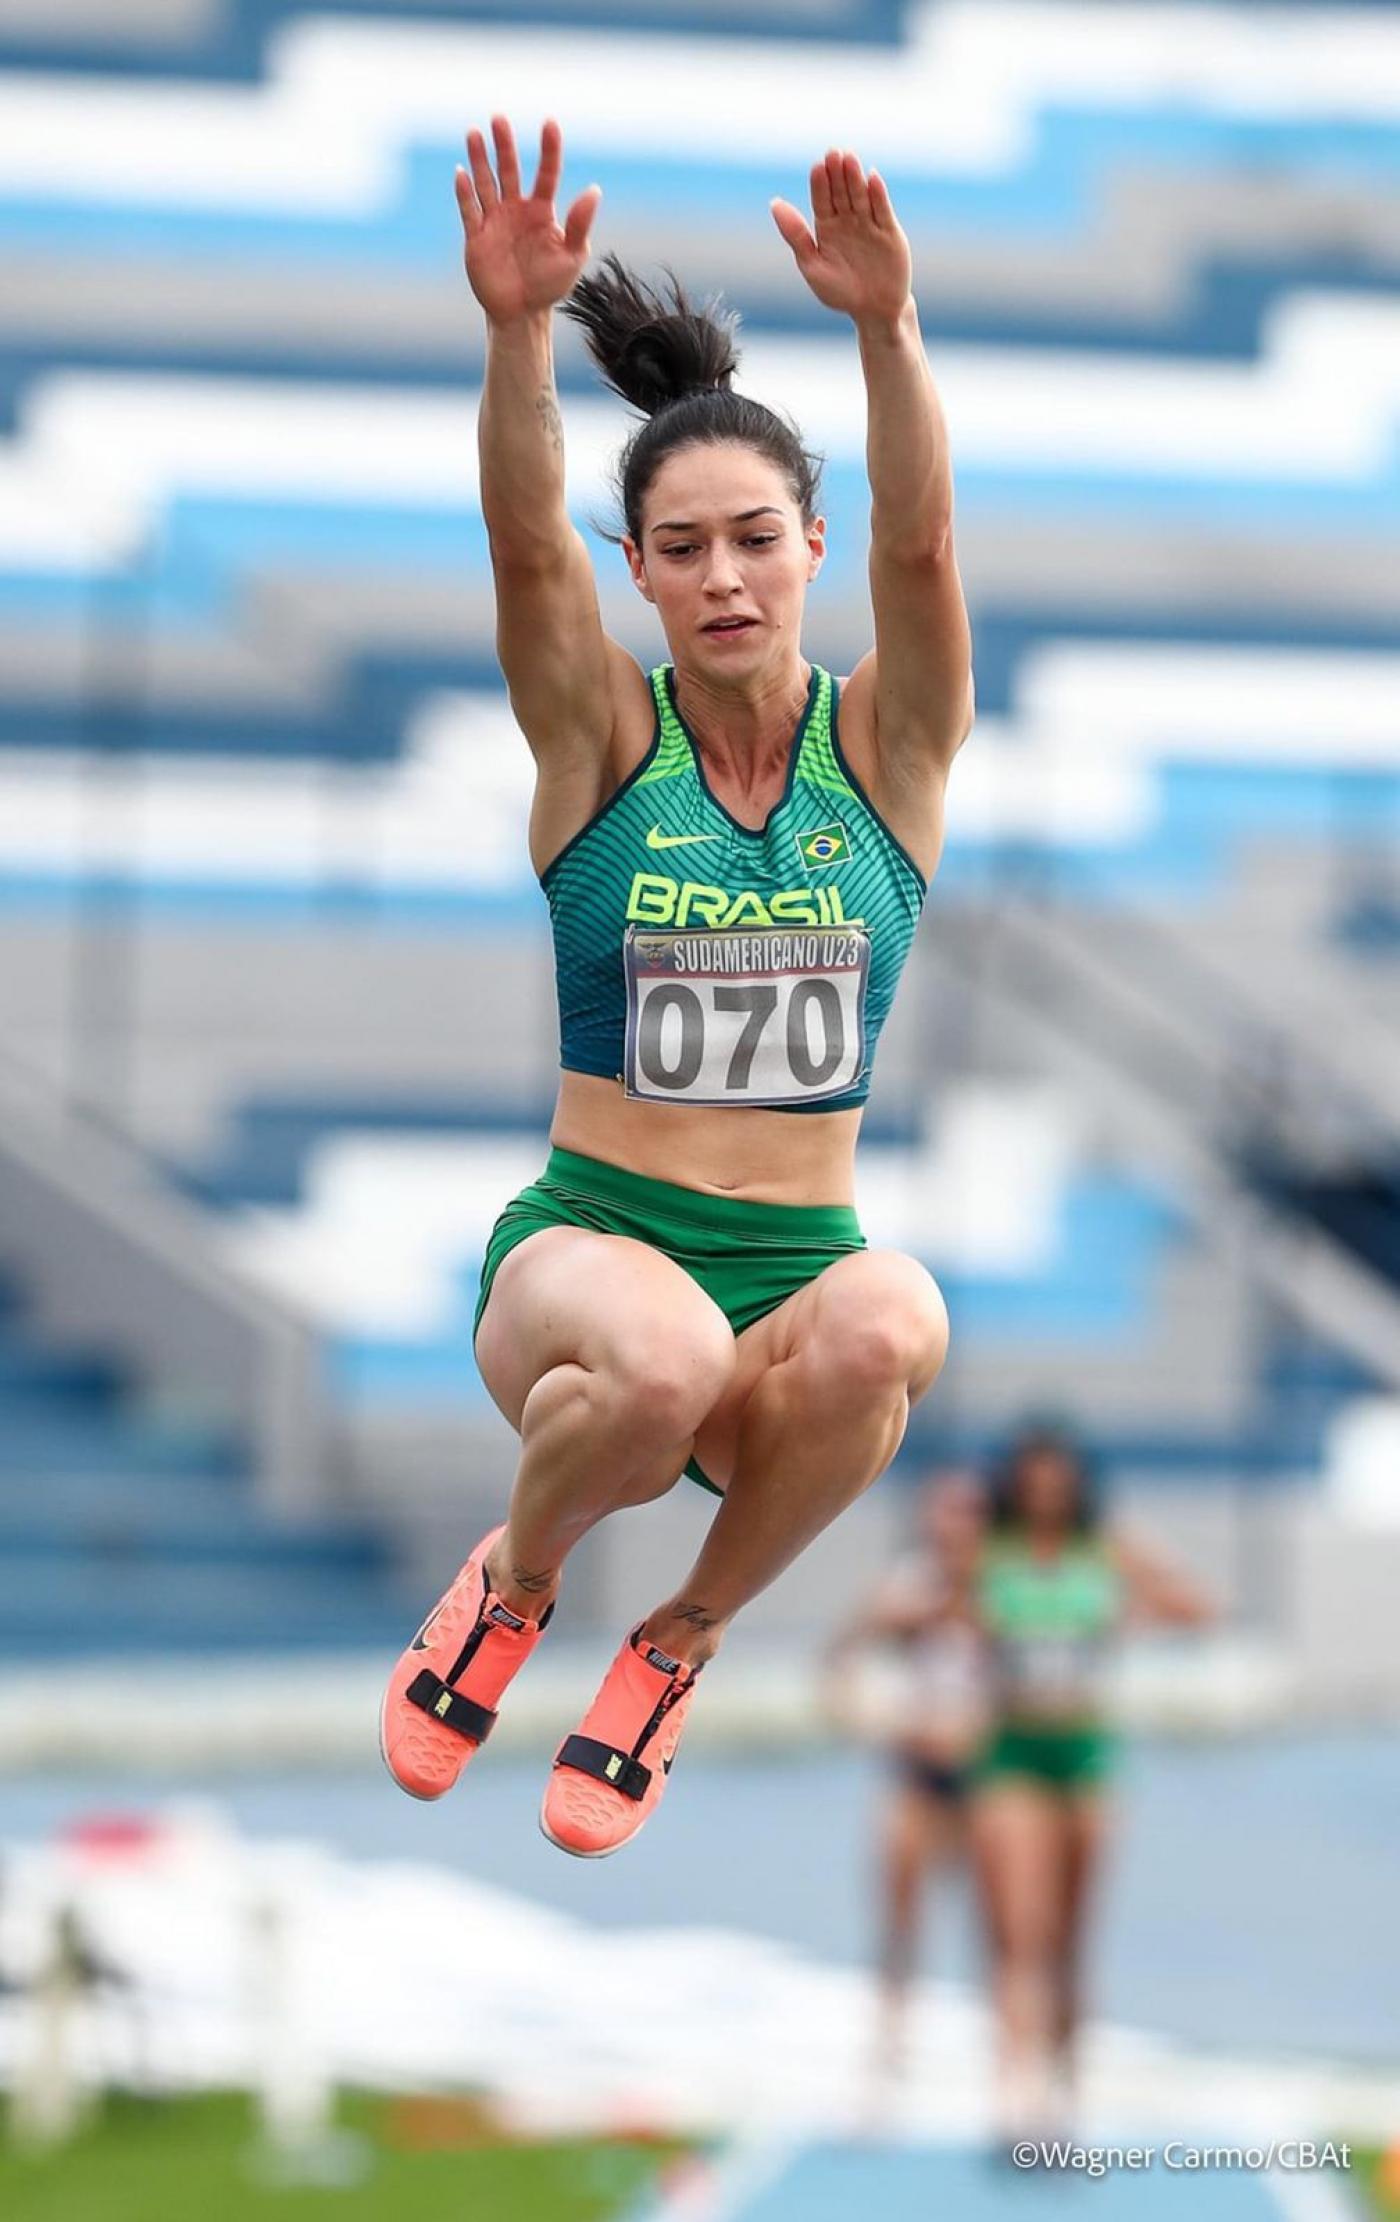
656,839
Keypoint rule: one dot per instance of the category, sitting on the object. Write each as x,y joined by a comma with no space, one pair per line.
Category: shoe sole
608,1849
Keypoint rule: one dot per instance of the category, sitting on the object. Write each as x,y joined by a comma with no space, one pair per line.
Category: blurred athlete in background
1056,1587
735,848
927,1610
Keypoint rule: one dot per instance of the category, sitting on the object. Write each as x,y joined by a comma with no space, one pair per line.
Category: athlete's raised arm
1157,1590
856,260
558,663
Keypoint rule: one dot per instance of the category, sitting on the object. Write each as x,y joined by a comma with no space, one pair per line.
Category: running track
857,2182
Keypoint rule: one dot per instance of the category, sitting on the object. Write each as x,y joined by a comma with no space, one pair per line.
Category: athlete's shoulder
634,725
910,808
634,720
572,791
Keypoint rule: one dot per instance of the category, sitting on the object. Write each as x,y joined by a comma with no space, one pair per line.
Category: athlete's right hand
519,260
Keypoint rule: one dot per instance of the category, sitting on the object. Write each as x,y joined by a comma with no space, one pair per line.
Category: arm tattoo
547,407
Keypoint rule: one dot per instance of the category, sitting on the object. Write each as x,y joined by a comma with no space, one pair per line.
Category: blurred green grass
1378,2174
198,2160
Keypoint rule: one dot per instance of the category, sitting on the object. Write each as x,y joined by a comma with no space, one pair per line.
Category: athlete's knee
904,1880
1028,1935
885,1331
670,1378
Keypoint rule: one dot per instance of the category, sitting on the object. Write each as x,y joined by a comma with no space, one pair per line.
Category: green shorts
1067,1760
747,1257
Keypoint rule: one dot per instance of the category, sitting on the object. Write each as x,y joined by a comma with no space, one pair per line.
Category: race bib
768,1016
1055,1673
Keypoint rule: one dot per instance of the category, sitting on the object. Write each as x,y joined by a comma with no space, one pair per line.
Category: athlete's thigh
1017,1859
826,1314
569,1296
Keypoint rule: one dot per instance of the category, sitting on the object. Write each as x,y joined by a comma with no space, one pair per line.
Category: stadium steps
103,1604
1367,925
124,1575
228,40
176,1519
402,326
1360,1210
1271,936
29,1376
126,1527
310,691
271,1144
269,1156
63,1411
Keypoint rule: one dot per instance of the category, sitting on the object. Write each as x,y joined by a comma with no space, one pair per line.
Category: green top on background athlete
1057,1586
734,849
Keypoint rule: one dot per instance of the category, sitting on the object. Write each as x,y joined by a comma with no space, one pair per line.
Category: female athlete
926,1608
733,882
1056,1586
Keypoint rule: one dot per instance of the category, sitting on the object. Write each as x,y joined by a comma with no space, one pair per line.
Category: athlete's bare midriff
770,1157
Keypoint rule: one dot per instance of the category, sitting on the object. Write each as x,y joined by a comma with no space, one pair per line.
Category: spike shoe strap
609,1775
440,1705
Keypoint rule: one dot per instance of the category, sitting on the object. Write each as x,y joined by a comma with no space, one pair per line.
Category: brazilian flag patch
828,845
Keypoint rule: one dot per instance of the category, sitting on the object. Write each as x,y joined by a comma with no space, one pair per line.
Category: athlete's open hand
519,259
857,259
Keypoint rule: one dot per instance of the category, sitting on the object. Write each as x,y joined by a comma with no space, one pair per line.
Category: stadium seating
123,1526
252,738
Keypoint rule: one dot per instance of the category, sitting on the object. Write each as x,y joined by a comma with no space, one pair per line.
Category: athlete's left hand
857,261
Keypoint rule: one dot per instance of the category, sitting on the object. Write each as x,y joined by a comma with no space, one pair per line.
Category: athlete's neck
744,734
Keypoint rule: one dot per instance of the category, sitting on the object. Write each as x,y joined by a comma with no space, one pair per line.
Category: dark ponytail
650,352
676,363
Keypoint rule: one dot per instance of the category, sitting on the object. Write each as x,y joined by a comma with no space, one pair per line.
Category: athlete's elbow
912,545
529,548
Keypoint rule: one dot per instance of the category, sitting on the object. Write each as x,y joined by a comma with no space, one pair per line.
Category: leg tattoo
695,1616
534,1585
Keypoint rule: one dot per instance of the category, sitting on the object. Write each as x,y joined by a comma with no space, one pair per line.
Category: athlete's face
953,1521
726,558
1047,1489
